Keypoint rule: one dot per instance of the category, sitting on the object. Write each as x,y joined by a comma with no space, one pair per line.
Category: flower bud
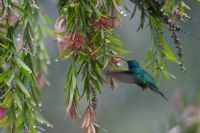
116,61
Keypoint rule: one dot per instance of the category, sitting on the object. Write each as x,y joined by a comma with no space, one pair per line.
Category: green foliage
22,57
93,23
100,45
160,15
85,36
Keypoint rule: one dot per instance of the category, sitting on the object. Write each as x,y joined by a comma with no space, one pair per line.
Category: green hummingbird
136,75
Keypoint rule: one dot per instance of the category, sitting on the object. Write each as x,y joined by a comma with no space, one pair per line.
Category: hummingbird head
133,64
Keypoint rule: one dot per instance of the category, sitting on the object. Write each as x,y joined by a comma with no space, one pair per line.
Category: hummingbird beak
126,60
123,59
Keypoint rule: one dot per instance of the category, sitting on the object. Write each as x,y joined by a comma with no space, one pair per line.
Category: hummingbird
136,75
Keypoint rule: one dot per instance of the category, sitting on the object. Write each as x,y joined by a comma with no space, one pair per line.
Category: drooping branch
84,35
22,65
160,15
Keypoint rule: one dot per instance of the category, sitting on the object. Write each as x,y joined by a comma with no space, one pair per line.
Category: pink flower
89,120
3,111
116,61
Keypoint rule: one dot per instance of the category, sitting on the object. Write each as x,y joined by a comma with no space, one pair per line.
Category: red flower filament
75,42
102,22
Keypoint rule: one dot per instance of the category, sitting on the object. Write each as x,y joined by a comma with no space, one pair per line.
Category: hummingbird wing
139,77
122,76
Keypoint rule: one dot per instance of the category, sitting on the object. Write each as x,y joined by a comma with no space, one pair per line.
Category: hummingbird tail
156,90
159,92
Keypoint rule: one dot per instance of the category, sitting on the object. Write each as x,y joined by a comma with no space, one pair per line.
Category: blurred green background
127,109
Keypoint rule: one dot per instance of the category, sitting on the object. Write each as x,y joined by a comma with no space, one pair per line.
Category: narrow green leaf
17,100
142,19
22,87
3,122
19,8
168,5
47,19
48,30
7,100
169,54
115,41
95,51
42,120
118,50
102,33
11,114
66,54
21,64
5,38
181,9
133,13
4,46
68,77
5,75
166,74
185,5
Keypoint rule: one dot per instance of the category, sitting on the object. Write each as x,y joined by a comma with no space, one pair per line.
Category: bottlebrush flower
3,111
67,40
72,111
102,22
89,120
74,41
110,21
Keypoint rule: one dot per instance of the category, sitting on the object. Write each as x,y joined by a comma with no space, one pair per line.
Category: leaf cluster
22,57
